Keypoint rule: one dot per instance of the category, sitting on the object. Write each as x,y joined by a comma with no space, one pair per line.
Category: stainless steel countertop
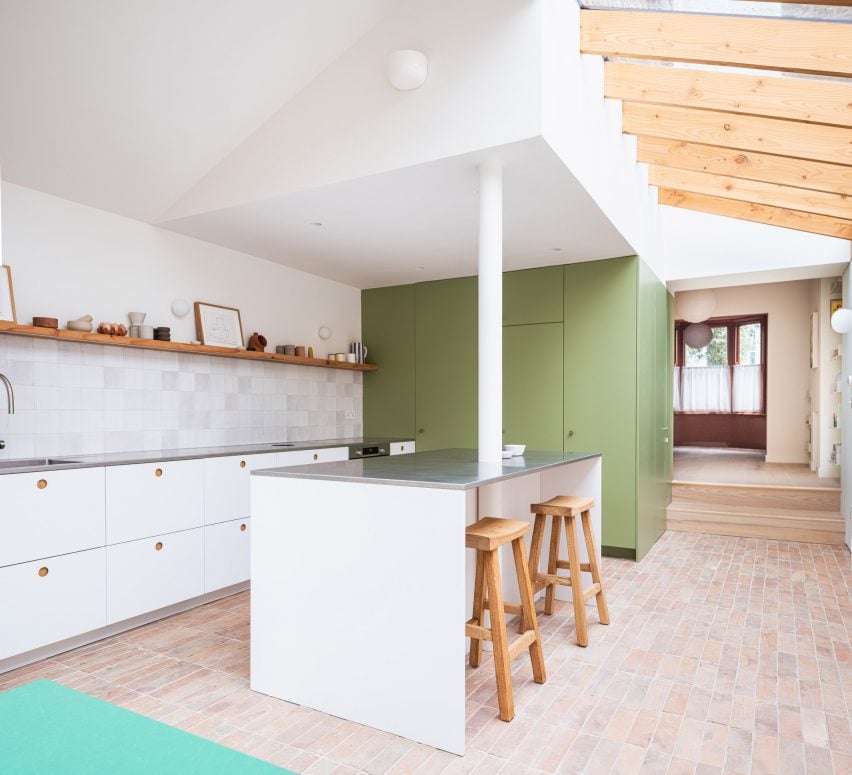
446,469
192,453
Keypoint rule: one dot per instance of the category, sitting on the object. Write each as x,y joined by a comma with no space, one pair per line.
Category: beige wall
788,306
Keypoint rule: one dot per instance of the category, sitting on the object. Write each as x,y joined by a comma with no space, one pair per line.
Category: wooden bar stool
487,536
567,508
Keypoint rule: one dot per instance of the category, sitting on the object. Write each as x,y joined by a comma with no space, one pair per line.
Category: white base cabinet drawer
227,554
227,485
50,513
50,600
149,499
153,573
402,447
302,457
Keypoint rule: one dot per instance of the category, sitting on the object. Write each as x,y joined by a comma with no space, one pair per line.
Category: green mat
46,729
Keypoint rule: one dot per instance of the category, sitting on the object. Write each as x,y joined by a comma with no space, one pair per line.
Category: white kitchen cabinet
50,600
153,573
227,555
302,457
402,447
226,485
49,513
148,499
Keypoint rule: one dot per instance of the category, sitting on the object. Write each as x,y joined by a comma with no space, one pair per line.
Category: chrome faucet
10,394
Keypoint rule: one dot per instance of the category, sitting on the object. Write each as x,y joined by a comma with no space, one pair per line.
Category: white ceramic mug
351,358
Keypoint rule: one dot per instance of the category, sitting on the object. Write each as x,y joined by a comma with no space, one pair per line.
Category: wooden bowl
46,322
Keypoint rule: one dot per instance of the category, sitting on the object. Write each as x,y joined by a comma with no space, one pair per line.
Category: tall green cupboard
586,366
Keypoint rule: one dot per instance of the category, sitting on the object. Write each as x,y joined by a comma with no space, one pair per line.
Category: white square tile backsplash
77,399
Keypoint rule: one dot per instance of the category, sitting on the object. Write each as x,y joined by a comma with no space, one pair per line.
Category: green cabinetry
586,366
532,385
387,326
600,383
532,296
446,359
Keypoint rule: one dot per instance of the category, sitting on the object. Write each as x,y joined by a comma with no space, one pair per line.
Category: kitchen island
361,583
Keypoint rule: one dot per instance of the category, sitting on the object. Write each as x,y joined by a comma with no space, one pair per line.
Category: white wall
483,90
70,260
585,131
824,378
700,245
788,306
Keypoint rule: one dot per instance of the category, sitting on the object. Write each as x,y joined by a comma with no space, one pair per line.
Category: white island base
361,583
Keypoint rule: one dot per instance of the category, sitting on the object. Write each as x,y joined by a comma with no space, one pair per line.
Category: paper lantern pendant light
695,306
697,335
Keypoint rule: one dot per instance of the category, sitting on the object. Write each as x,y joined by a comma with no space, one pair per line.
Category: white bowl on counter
515,449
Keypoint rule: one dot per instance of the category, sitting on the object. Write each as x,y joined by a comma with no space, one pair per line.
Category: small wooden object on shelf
182,347
42,322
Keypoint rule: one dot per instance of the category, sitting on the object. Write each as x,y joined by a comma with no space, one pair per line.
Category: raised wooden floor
807,514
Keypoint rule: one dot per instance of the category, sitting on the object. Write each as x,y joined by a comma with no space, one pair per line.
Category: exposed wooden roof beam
739,41
730,130
800,99
787,171
748,211
807,200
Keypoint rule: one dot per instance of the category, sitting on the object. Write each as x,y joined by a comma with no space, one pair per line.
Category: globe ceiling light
841,320
407,69
696,306
697,335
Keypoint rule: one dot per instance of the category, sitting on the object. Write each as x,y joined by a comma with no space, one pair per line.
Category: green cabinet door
446,363
532,296
600,384
653,426
387,328
532,386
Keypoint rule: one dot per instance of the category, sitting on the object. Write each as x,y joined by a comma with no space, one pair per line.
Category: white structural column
490,311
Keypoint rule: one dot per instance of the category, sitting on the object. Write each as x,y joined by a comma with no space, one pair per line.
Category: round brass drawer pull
158,472
243,527
158,546
43,571
242,464
316,457
41,484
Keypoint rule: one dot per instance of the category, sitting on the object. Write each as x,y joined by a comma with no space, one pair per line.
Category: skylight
732,7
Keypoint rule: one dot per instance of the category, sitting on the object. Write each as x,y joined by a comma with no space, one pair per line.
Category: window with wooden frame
728,375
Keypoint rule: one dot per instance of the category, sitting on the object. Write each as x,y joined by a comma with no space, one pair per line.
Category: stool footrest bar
521,643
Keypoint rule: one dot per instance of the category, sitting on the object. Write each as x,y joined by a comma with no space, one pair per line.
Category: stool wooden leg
528,607
535,559
478,613
502,670
552,559
594,564
576,582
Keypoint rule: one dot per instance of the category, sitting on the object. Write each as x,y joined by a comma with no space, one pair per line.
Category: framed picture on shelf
834,305
7,295
218,326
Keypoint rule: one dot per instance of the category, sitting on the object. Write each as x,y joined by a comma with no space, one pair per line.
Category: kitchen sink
33,461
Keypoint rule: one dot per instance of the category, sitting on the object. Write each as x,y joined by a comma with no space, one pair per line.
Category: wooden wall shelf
179,347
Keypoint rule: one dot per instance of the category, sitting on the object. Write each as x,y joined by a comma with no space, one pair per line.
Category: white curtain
748,388
676,392
706,389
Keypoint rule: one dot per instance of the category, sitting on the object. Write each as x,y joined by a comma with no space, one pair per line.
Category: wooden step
818,527
764,496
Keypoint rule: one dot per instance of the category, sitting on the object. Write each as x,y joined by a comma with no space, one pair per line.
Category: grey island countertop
188,453
449,469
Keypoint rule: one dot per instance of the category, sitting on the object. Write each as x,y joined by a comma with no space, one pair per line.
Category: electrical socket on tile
349,414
